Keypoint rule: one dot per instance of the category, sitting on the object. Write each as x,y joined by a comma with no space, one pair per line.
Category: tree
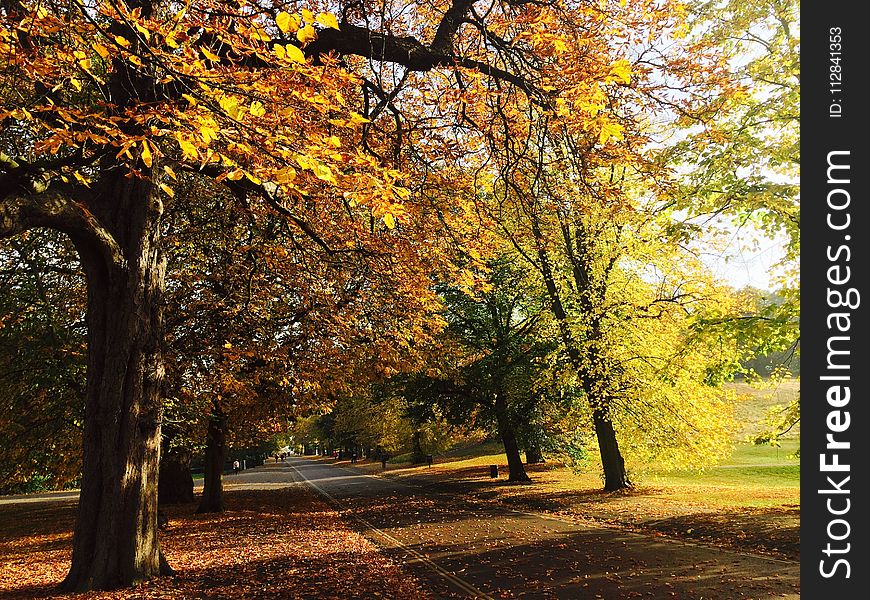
105,104
490,357
42,370
745,162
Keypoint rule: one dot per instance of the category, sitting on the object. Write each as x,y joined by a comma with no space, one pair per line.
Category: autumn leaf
146,154
286,23
294,53
306,34
327,20
610,130
323,173
101,50
167,190
187,148
389,221
257,109
209,54
620,71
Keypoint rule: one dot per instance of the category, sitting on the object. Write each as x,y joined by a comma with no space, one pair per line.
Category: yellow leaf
81,178
230,106
168,170
146,154
207,134
389,221
259,33
170,40
144,31
295,54
327,20
135,60
278,49
101,50
190,99
620,71
610,130
358,118
257,109
122,41
286,23
168,190
210,55
307,15
323,173
285,175
235,175
188,149
306,34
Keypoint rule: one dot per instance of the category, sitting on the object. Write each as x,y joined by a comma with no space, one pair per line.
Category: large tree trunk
615,477
516,471
215,456
175,485
115,542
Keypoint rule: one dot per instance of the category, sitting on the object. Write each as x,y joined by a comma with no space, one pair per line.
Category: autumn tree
105,104
742,165
42,363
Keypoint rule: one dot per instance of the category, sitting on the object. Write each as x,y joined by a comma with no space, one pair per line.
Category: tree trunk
417,455
516,471
611,458
175,485
215,456
615,477
534,455
115,541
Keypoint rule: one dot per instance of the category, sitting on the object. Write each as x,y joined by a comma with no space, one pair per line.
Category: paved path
468,550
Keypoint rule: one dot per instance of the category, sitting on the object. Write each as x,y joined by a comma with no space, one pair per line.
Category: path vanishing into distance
462,549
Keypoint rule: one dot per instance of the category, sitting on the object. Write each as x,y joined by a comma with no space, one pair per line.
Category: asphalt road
465,550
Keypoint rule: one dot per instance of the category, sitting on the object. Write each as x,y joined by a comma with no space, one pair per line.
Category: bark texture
115,542
175,485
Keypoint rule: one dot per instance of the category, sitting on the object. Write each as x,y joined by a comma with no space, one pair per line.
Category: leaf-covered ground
711,513
278,543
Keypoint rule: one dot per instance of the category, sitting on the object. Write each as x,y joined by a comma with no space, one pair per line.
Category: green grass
757,400
751,455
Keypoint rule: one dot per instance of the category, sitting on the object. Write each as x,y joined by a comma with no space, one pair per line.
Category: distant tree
492,352
42,363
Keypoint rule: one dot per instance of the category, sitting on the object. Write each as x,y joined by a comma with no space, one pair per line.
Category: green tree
493,351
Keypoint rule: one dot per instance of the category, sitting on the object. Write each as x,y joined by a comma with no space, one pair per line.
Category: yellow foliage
306,34
327,20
